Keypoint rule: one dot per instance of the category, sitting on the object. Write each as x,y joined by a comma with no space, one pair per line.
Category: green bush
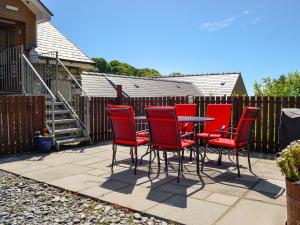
289,162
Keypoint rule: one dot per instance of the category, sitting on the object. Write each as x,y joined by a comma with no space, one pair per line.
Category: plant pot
293,203
43,144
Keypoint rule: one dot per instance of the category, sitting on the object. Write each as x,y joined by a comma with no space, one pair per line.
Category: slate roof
99,84
214,84
49,39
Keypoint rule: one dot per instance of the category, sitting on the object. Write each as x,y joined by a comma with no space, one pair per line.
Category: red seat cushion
142,134
139,141
226,142
185,143
205,135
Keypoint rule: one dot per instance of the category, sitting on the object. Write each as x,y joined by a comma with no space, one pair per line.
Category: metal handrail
70,108
74,79
39,77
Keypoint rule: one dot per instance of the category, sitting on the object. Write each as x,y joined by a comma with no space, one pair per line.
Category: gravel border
25,201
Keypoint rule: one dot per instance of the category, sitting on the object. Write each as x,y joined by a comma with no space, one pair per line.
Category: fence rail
264,136
19,117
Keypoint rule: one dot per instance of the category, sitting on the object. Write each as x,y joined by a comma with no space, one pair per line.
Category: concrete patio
217,197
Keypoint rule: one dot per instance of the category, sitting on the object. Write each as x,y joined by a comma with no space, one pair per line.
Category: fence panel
19,117
264,134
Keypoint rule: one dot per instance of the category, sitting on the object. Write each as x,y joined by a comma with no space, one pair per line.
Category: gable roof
49,39
94,84
39,9
216,84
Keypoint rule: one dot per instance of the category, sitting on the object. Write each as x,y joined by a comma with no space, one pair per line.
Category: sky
255,37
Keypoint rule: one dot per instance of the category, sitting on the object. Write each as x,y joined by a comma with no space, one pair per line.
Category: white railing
77,94
33,84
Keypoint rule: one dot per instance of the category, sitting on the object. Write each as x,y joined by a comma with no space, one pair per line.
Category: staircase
61,118
67,129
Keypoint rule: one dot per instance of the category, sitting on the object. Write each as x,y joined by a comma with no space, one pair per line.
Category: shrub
289,162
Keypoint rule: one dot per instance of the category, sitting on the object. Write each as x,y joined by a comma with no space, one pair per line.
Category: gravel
24,201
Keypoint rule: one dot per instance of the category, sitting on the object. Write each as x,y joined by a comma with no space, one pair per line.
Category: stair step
58,112
67,130
55,103
72,140
61,121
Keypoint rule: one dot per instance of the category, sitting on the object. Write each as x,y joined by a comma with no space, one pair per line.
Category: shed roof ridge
203,74
134,77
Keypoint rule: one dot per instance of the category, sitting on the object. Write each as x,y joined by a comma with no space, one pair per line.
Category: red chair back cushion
163,125
186,110
245,124
222,115
123,124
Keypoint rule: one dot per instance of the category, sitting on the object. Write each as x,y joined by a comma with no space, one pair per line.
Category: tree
146,72
122,68
285,85
176,74
101,65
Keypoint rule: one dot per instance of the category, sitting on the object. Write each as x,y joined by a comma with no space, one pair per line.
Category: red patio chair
221,114
124,131
240,136
142,133
165,135
186,110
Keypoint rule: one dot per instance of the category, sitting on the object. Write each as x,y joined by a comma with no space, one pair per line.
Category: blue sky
257,38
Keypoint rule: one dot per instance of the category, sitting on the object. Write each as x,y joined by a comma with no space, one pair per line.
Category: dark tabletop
184,118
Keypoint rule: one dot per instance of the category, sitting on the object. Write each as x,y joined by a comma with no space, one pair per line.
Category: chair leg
191,155
147,152
158,161
136,160
237,162
131,154
179,166
249,163
197,158
166,162
220,157
203,159
114,149
149,171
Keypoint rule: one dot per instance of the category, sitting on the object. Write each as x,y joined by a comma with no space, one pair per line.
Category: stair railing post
53,116
56,73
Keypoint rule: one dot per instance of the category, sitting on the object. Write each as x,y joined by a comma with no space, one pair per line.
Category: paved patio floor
217,197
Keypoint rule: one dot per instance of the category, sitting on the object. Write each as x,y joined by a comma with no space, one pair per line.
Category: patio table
192,119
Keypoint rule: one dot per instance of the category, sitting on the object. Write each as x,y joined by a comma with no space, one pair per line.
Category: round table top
184,118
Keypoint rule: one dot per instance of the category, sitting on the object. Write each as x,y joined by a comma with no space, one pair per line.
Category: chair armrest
220,131
186,135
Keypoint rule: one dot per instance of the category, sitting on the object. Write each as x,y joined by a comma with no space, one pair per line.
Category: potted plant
289,164
43,140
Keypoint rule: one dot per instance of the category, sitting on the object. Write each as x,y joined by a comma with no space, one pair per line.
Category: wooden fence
264,134
19,117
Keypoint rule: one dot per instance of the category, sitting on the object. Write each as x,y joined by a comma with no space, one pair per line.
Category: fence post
119,94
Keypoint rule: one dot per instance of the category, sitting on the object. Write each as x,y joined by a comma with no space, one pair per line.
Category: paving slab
77,182
56,172
279,199
100,190
138,198
222,199
188,210
273,186
248,212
